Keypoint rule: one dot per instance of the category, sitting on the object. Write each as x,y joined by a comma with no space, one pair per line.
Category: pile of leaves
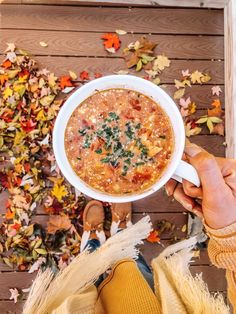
28,173
140,54
213,118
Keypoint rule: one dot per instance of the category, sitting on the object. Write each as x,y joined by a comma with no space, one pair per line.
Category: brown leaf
58,222
133,53
219,129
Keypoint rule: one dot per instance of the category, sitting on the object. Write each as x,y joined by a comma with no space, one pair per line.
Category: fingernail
167,192
186,205
192,149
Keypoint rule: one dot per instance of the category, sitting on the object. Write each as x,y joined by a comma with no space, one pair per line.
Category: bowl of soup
119,138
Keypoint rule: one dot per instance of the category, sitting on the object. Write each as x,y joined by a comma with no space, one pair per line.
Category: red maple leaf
6,64
84,76
7,115
111,41
153,237
28,125
27,167
16,226
65,81
24,72
4,180
97,75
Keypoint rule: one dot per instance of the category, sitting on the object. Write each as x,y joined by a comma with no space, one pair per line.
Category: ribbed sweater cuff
225,236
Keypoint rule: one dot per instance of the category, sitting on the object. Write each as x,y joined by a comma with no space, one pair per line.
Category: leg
93,235
121,219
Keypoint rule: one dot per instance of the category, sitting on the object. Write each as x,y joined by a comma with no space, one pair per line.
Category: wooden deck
191,38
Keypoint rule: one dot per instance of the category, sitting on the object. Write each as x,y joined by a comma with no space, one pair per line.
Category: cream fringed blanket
71,290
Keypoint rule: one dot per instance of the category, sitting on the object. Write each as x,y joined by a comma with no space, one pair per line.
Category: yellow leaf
215,119
40,116
206,78
196,77
161,62
7,93
43,44
156,80
139,65
47,100
202,120
191,131
210,125
20,89
73,75
120,32
192,108
59,191
179,93
41,251
179,84
12,73
19,137
52,80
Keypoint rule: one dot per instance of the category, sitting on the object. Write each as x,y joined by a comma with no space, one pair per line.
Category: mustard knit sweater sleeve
222,253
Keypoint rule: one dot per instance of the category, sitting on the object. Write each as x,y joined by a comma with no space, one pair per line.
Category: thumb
207,168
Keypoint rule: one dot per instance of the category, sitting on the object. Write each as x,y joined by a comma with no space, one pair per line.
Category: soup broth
119,141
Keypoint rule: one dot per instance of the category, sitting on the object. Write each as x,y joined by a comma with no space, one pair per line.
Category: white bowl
117,81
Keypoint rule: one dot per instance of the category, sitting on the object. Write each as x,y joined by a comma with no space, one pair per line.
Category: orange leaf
84,76
216,111
3,78
6,64
65,81
219,129
57,222
9,214
111,41
216,103
97,75
153,237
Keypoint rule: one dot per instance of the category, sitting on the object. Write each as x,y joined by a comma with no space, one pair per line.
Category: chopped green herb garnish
83,131
127,161
98,151
127,153
79,158
163,137
114,163
113,116
129,132
117,146
138,126
139,163
105,160
125,169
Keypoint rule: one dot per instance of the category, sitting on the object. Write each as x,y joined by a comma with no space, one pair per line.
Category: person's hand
215,200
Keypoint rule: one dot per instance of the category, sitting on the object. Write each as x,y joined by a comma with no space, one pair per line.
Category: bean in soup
119,141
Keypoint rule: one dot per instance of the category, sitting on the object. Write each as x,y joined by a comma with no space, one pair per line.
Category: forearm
222,253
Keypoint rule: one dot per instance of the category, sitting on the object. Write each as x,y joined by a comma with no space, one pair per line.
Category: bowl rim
90,88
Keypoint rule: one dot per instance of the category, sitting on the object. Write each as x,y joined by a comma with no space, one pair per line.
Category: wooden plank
9,307
139,20
213,276
21,280
106,66
230,77
180,3
213,144
151,250
200,94
90,44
